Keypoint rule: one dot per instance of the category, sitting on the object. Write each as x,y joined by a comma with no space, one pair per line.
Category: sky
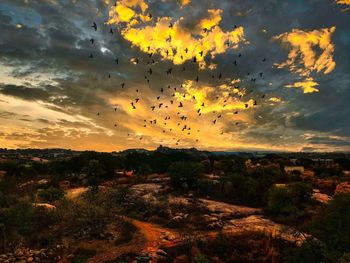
234,75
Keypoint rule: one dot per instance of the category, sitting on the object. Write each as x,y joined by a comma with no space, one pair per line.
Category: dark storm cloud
25,92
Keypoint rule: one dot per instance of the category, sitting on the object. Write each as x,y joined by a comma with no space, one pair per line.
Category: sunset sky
250,75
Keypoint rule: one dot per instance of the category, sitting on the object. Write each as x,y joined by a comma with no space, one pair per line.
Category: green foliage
332,226
144,169
51,194
243,189
230,165
185,172
311,251
287,204
79,216
27,221
325,172
201,259
82,255
102,166
95,171
221,244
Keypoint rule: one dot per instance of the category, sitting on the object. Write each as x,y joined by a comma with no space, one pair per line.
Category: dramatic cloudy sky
250,75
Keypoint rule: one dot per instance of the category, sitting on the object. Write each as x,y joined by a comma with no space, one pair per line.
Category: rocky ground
188,218
24,255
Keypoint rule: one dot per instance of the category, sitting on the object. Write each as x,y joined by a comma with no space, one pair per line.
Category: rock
143,259
162,253
215,225
322,198
234,210
43,182
168,236
343,187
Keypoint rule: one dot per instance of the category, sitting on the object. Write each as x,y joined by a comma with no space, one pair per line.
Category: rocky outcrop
343,187
257,223
26,255
320,197
227,210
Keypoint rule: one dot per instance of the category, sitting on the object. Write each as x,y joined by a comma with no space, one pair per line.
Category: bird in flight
94,26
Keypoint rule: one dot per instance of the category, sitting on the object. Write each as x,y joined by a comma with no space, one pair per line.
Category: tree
95,171
144,169
51,194
184,172
287,204
332,226
243,189
332,233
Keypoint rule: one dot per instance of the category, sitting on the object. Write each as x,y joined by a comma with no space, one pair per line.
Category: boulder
343,187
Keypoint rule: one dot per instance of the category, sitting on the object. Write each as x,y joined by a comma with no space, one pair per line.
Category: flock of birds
160,104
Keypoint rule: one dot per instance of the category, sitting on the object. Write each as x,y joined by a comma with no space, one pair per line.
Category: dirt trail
148,238
157,236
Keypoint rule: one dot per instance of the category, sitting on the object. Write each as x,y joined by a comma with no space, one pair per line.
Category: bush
332,226
22,219
51,194
201,259
185,172
287,204
144,169
244,190
311,251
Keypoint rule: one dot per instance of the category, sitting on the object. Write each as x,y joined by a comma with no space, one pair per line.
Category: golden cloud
343,2
308,85
185,2
310,51
209,99
169,38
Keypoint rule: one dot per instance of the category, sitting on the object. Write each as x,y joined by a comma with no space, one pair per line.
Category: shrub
287,204
201,259
332,226
184,172
144,169
51,194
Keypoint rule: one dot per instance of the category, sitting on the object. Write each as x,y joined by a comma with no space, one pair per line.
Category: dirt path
148,238
157,236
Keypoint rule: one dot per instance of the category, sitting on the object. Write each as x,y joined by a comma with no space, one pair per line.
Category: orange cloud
343,2
185,2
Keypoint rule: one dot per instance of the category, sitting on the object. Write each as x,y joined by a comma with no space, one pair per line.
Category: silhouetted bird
94,26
